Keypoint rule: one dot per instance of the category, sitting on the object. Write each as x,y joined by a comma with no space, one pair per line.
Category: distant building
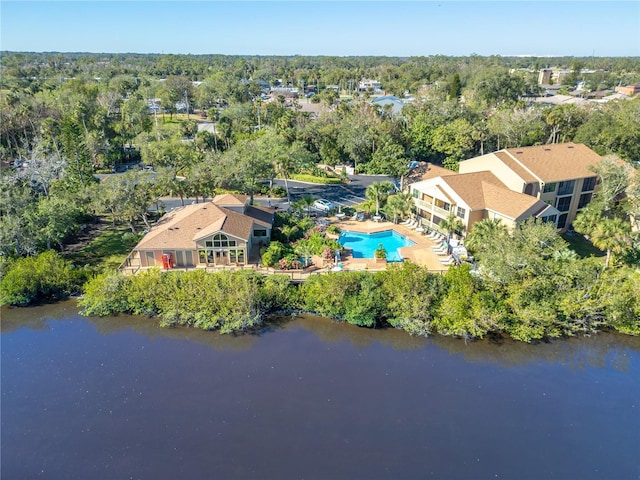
368,85
389,101
629,90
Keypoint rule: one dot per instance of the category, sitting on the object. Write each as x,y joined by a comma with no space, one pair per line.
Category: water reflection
602,350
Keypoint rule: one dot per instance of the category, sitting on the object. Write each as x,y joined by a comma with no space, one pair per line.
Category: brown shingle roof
233,223
468,186
262,215
230,199
483,190
557,162
425,171
507,202
518,169
179,229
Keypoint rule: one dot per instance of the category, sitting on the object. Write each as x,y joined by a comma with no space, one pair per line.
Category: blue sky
576,28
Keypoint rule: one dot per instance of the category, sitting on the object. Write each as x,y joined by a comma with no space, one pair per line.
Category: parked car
324,205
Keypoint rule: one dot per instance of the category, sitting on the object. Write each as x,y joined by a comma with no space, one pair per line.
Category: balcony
427,206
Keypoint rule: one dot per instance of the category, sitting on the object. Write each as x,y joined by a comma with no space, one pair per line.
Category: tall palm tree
451,224
378,192
612,235
399,205
486,233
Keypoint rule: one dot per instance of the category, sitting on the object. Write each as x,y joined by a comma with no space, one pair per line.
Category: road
344,195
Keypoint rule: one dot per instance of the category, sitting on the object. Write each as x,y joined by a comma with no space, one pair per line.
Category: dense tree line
66,117
532,288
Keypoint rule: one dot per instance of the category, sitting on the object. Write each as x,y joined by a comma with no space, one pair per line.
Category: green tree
612,235
455,88
454,140
451,224
485,233
378,192
398,206
127,198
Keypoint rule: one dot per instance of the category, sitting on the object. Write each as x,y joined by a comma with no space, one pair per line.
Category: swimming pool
364,244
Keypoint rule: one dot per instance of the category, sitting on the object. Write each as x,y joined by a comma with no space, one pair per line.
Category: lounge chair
407,221
448,261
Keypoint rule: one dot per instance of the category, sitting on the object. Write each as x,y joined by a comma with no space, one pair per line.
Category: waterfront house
225,231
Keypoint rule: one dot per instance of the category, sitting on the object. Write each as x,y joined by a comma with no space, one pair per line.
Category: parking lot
343,195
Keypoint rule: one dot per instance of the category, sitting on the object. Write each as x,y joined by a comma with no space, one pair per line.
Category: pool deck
421,253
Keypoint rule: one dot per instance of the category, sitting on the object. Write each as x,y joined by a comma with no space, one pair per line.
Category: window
202,256
588,184
549,187
259,233
563,203
443,205
550,219
461,212
585,198
566,188
415,193
562,220
236,256
220,241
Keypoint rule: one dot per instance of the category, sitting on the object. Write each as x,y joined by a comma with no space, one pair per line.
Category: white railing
428,207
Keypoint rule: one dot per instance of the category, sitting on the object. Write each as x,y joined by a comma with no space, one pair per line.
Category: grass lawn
302,177
107,250
582,246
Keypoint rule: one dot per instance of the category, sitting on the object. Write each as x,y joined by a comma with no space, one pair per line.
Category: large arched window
220,240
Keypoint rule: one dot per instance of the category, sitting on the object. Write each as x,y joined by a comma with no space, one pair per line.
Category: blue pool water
364,244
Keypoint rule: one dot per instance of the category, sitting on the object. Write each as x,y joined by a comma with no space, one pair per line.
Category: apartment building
560,175
473,197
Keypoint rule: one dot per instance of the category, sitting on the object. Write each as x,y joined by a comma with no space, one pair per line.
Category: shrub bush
44,277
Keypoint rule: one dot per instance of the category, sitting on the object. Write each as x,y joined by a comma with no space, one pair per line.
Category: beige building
225,231
473,197
560,175
629,90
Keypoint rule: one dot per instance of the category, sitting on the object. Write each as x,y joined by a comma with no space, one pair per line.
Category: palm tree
307,200
486,233
378,192
304,250
612,235
288,230
451,224
399,205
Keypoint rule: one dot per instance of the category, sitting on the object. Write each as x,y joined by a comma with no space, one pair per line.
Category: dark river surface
121,398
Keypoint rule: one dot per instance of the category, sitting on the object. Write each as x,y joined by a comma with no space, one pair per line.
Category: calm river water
120,398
